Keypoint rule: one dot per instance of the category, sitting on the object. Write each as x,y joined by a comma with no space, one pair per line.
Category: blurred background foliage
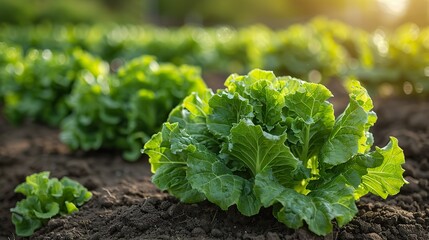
63,58
366,14
381,42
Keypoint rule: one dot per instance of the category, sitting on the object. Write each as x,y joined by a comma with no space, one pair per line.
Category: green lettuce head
268,141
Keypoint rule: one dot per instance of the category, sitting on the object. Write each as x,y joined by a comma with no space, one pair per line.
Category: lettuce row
268,141
46,198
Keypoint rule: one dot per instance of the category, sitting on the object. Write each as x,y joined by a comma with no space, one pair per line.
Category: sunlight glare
394,7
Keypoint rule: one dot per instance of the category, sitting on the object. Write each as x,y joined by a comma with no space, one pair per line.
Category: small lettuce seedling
275,142
46,198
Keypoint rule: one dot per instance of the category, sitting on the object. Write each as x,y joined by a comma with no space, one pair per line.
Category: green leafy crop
275,142
37,87
46,198
122,111
10,63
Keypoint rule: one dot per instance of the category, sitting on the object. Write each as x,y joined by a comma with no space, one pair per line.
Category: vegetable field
214,133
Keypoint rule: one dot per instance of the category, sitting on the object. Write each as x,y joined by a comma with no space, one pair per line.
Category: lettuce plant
39,88
122,111
10,64
46,198
275,142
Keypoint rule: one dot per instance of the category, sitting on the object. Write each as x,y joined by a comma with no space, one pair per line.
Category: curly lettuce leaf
168,152
25,226
259,150
227,109
385,179
348,136
191,116
352,170
212,177
331,201
312,116
268,103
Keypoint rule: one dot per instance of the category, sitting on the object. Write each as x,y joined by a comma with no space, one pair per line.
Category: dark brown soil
127,206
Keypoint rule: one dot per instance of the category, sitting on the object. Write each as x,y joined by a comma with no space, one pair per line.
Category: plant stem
304,153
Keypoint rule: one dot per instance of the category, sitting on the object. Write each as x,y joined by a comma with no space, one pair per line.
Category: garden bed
126,205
